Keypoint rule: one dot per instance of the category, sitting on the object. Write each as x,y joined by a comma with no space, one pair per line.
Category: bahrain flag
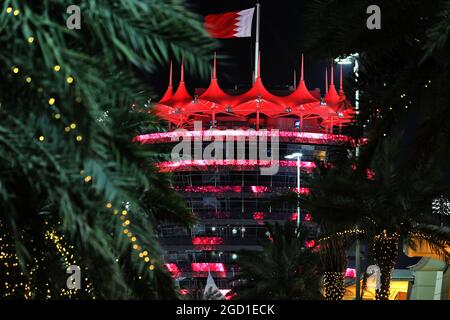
237,24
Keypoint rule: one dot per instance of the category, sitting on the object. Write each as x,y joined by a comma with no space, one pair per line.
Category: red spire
302,75
332,75
301,95
169,93
214,94
259,66
215,66
182,70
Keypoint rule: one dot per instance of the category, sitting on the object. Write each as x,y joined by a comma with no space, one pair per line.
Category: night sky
282,34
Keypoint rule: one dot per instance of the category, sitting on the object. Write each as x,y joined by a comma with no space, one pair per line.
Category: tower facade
229,159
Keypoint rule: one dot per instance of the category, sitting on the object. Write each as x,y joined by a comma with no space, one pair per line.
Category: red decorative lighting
350,273
308,217
207,241
205,267
310,243
258,215
173,269
370,174
259,189
302,190
184,292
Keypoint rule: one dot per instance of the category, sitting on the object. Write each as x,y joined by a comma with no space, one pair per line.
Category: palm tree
284,269
390,205
396,207
74,190
403,76
331,202
334,262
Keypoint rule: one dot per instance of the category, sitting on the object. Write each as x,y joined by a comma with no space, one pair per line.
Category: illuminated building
227,195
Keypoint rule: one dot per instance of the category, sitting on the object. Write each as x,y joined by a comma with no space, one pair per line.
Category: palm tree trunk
332,253
385,251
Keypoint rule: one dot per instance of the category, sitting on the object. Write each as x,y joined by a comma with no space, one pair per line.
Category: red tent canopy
181,109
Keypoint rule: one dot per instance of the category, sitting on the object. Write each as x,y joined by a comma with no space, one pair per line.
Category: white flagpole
258,20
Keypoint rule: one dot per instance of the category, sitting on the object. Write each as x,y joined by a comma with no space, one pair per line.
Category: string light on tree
331,281
385,251
126,224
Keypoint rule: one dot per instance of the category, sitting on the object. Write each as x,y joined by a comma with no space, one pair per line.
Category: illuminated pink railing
209,189
188,165
237,189
284,136
207,241
259,189
201,269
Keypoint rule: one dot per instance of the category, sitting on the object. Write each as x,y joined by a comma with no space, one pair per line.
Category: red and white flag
236,24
